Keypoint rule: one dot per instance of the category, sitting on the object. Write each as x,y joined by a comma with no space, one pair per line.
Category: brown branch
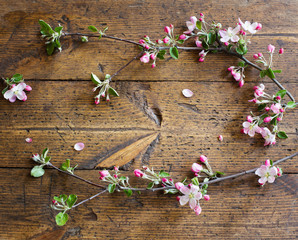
88,199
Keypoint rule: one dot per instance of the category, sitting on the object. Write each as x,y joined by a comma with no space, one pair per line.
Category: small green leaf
47,159
46,29
277,71
282,135
239,50
63,197
95,79
84,39
181,41
161,54
17,78
274,121
71,200
262,106
61,218
150,185
263,73
162,173
111,188
219,173
37,171
271,162
205,44
128,192
270,73
113,92
199,25
211,38
281,93
122,178
4,90
174,52
241,64
50,48
92,28
45,152
291,104
58,29
195,181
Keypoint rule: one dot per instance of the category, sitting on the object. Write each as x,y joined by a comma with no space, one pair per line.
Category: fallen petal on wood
187,93
79,146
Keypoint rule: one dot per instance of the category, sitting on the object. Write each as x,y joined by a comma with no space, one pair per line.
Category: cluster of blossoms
16,88
261,59
105,89
268,172
156,49
273,113
238,73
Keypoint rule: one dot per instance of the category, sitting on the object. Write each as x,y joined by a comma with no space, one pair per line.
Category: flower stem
88,199
75,176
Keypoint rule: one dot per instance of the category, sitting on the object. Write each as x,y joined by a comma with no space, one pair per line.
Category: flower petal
246,124
28,140
13,98
21,95
198,196
185,190
8,94
271,179
262,180
187,93
79,146
183,200
273,171
194,189
21,86
235,38
192,203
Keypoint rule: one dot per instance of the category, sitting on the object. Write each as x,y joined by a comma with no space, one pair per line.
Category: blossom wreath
209,38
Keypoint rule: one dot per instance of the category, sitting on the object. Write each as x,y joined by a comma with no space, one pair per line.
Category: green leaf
65,165
84,39
50,48
58,29
63,197
47,159
71,200
92,28
174,52
241,64
281,93
46,29
122,178
37,171
263,73
162,173
239,50
211,38
205,44
61,218
282,135
95,79
45,152
274,121
270,73
291,104
195,181
128,192
113,92
4,90
181,41
161,54
199,25
150,185
277,71
219,173
262,106
17,78
111,188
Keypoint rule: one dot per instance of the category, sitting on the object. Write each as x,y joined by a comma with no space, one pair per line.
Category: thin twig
76,176
214,180
88,199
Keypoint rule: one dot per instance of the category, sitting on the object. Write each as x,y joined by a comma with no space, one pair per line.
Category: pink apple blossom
191,25
230,34
275,108
196,167
271,48
266,173
145,58
191,195
167,29
138,173
268,136
251,128
16,92
104,173
179,185
251,27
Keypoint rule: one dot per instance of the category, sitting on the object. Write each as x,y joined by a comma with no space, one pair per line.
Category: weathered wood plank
244,213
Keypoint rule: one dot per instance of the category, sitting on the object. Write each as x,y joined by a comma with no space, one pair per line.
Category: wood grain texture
151,123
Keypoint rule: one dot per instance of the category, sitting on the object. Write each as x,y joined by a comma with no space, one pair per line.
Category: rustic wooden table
150,123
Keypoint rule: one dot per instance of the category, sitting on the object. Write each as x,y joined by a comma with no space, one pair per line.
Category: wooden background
163,129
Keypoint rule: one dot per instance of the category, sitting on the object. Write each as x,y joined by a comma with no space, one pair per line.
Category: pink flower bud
259,26
249,118
267,163
54,202
101,178
267,108
178,198
159,41
152,56
278,98
203,158
281,110
255,87
144,167
207,197
141,41
271,48
201,14
220,138
267,119
201,19
198,210
153,65
278,119
145,58
116,169
256,56
260,54
171,180
138,173
279,174
196,168
226,43
254,100
167,29
199,44
189,185
28,88
96,100
179,185
201,59
241,83
182,37
104,173
164,180
166,39
196,174
147,47
171,26
230,69
115,176
281,51
242,130
145,36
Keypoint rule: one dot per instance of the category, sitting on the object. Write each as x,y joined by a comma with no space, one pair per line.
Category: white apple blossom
267,173
230,34
251,128
191,25
247,26
268,136
191,195
16,91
